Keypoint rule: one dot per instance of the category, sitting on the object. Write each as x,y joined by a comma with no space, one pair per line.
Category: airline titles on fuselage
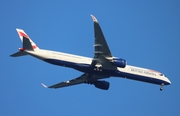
142,71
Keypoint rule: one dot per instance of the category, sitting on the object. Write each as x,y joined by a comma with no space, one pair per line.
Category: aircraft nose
168,81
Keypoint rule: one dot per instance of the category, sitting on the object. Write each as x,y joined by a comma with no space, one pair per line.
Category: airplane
103,65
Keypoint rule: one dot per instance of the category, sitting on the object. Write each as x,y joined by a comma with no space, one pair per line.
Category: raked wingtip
94,18
44,85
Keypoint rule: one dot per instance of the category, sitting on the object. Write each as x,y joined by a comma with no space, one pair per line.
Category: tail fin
28,44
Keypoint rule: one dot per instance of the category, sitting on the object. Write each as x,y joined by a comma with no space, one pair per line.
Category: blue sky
145,33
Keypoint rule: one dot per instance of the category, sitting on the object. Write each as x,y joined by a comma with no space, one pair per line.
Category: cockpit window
161,74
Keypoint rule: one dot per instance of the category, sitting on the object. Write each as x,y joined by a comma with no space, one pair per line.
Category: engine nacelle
102,85
119,62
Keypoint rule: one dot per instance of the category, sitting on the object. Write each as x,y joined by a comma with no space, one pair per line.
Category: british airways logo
143,71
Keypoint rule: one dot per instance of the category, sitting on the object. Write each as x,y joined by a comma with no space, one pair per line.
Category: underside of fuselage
86,68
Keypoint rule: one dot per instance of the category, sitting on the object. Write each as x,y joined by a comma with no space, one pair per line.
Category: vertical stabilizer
28,44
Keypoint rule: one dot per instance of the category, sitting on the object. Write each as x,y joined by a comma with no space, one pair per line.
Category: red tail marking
23,34
34,47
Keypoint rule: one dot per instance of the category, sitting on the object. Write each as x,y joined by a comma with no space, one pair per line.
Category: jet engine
101,85
119,62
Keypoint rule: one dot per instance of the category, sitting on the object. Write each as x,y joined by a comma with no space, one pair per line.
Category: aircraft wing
75,81
102,51
84,78
100,45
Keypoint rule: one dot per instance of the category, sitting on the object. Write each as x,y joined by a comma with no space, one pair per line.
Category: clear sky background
145,33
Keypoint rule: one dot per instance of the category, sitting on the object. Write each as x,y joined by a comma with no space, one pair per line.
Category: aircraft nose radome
168,81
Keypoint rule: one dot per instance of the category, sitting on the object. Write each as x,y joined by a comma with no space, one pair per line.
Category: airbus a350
103,65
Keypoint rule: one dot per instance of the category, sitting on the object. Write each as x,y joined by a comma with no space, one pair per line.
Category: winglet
94,18
44,85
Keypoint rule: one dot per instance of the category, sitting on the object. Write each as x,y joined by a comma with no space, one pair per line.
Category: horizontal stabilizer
17,54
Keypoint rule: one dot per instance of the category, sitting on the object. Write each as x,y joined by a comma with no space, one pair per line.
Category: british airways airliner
103,65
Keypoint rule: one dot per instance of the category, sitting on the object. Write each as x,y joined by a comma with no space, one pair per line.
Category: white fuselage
83,64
